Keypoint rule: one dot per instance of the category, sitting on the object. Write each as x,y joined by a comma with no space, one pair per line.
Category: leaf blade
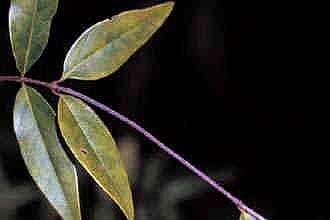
93,146
47,163
105,46
29,27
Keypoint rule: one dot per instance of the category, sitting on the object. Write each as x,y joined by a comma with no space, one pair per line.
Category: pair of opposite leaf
98,52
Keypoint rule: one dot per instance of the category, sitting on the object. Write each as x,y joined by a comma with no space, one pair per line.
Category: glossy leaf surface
93,146
29,26
104,47
42,152
245,216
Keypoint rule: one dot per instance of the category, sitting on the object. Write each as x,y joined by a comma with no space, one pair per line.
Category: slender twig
57,89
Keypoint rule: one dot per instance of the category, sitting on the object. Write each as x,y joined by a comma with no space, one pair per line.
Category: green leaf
104,47
42,152
93,146
29,26
245,216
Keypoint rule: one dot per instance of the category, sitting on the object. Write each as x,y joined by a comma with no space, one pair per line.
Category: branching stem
57,89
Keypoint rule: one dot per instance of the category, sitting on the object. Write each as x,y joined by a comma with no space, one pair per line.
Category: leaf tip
164,9
169,5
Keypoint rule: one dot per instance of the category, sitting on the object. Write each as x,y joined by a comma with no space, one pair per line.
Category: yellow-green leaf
55,175
29,26
104,47
93,146
245,216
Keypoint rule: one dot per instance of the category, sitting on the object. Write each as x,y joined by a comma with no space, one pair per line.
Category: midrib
27,53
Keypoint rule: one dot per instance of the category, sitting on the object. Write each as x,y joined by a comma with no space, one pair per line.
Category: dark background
223,84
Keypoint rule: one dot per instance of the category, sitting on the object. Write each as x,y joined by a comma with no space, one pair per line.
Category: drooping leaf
29,26
104,47
245,216
93,146
42,152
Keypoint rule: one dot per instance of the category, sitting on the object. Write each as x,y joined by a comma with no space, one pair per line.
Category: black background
223,84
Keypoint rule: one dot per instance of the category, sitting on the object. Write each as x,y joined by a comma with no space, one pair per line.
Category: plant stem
57,89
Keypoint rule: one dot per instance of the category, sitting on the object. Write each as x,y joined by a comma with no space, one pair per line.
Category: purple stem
64,90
